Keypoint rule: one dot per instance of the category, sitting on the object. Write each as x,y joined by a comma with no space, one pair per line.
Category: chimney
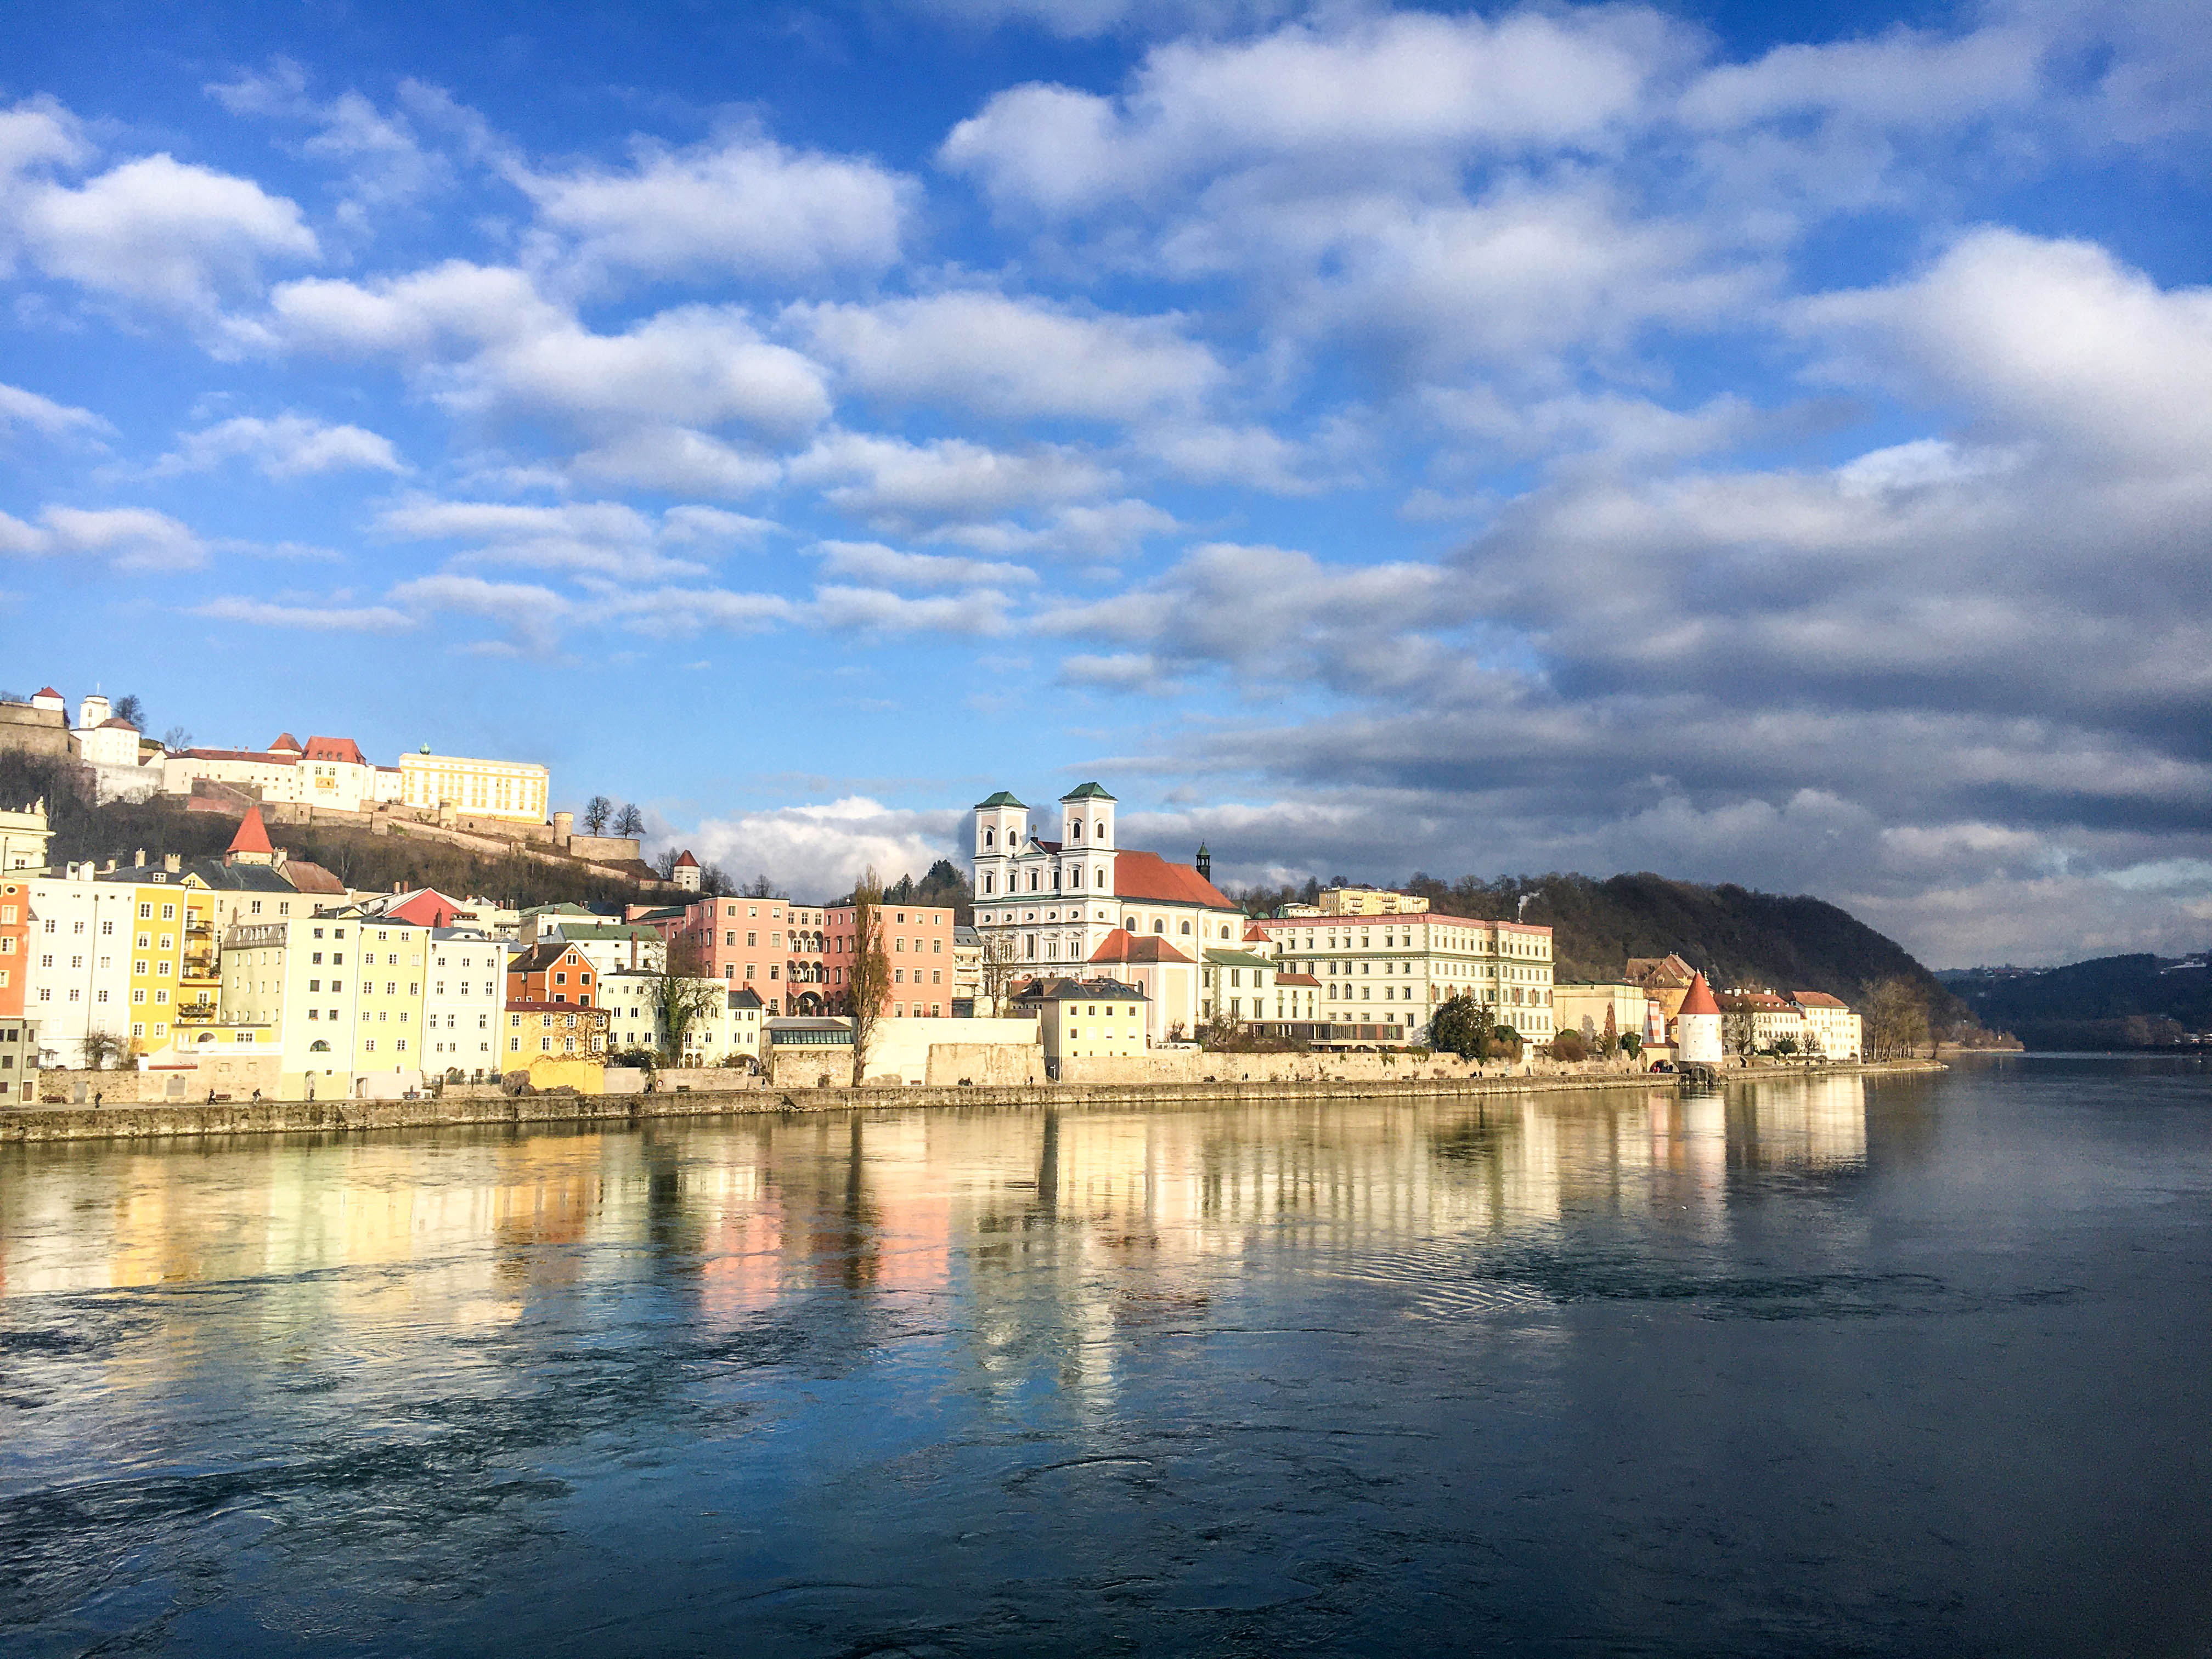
173,862
138,862
108,868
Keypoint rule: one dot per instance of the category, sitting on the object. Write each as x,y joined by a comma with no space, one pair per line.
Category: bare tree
176,737
998,971
103,1049
759,887
630,821
131,708
1896,1017
681,992
597,811
1738,1027
868,980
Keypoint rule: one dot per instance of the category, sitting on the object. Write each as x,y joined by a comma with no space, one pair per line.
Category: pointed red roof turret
252,835
285,743
47,691
687,862
1698,1000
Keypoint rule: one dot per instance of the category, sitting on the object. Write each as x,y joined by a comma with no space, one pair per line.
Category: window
145,912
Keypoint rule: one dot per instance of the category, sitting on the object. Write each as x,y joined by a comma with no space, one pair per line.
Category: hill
2109,1002
1739,936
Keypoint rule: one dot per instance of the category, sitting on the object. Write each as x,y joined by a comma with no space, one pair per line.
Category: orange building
554,972
15,945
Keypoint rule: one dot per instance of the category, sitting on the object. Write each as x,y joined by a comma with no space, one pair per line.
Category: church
1079,898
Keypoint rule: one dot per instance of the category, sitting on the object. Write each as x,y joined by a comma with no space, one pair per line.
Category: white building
1830,1026
1056,903
124,765
77,980
326,772
1381,976
515,790
462,1002
1697,1027
730,1026
24,835
1236,987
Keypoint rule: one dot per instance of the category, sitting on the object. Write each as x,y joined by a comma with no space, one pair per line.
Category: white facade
77,972
462,1001
23,838
731,1026
1395,970
515,790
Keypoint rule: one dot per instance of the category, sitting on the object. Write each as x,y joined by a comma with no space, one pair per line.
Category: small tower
251,845
1204,863
92,712
1697,1027
1002,827
687,871
1086,814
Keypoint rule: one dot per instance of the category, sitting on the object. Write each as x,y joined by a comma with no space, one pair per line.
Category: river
1897,1365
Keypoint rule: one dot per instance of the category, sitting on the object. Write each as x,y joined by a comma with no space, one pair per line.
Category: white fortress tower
1697,1027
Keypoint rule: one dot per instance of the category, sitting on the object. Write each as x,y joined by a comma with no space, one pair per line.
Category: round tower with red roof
1697,1027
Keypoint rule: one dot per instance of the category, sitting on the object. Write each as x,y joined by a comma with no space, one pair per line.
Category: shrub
1568,1045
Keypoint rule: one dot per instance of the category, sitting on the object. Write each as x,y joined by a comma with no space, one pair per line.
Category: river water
1909,1365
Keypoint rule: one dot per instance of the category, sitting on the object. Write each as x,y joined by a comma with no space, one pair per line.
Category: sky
1754,443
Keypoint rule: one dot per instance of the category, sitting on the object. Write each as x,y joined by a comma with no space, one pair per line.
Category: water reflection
840,1382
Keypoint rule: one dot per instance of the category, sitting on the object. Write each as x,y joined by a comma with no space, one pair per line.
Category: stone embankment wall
463,1107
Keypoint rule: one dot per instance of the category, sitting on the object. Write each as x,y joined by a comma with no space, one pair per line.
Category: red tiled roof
686,861
335,748
429,907
119,723
307,878
1297,979
252,835
1150,878
1817,999
1699,998
45,691
261,755
286,740
1123,945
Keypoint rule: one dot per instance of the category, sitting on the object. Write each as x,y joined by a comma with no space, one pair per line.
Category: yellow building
172,961
388,1014
475,788
1084,1019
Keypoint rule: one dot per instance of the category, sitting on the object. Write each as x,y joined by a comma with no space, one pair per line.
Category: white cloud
608,539
741,204
128,538
873,610
1104,529
895,483
307,618
872,562
163,231
819,852
288,447
997,356
21,408
678,461
531,615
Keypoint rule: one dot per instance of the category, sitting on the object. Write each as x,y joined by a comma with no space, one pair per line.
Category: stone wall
1187,1066
989,1065
31,730
236,1078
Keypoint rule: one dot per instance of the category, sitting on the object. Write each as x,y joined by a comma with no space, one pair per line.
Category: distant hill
2109,1002
1739,936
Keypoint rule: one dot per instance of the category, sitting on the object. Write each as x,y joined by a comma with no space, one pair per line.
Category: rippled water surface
1913,1366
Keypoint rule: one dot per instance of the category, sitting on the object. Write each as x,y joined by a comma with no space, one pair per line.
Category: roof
261,755
1079,990
45,691
685,861
1087,792
747,998
597,932
1003,798
1255,935
1123,945
1237,959
335,748
117,723
526,1005
1817,999
252,835
538,957
286,740
1668,970
1151,879
425,904
968,937
1306,980
1700,998
306,877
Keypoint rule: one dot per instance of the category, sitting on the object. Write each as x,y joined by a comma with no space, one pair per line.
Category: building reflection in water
1037,1242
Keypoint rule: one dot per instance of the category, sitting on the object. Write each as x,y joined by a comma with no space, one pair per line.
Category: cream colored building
1383,975
1236,987
463,995
515,790
23,838
1830,1026
389,1026
301,978
77,977
729,1027
1085,1019
1585,1008
1366,901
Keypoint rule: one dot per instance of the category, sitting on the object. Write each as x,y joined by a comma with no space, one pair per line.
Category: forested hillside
1739,936
2111,1002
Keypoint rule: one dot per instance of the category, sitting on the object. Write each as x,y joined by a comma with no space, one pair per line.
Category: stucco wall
988,1065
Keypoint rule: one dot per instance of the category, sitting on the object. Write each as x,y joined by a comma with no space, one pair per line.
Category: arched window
1185,928
1075,828
1159,927
318,1047
987,838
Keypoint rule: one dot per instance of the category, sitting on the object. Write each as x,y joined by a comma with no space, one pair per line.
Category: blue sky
1764,443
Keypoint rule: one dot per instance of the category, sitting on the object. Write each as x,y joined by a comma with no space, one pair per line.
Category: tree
998,972
103,1049
1568,1045
681,994
1460,1026
868,980
1739,1028
597,811
1896,1016
759,887
1632,1044
176,737
664,864
630,821
131,708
